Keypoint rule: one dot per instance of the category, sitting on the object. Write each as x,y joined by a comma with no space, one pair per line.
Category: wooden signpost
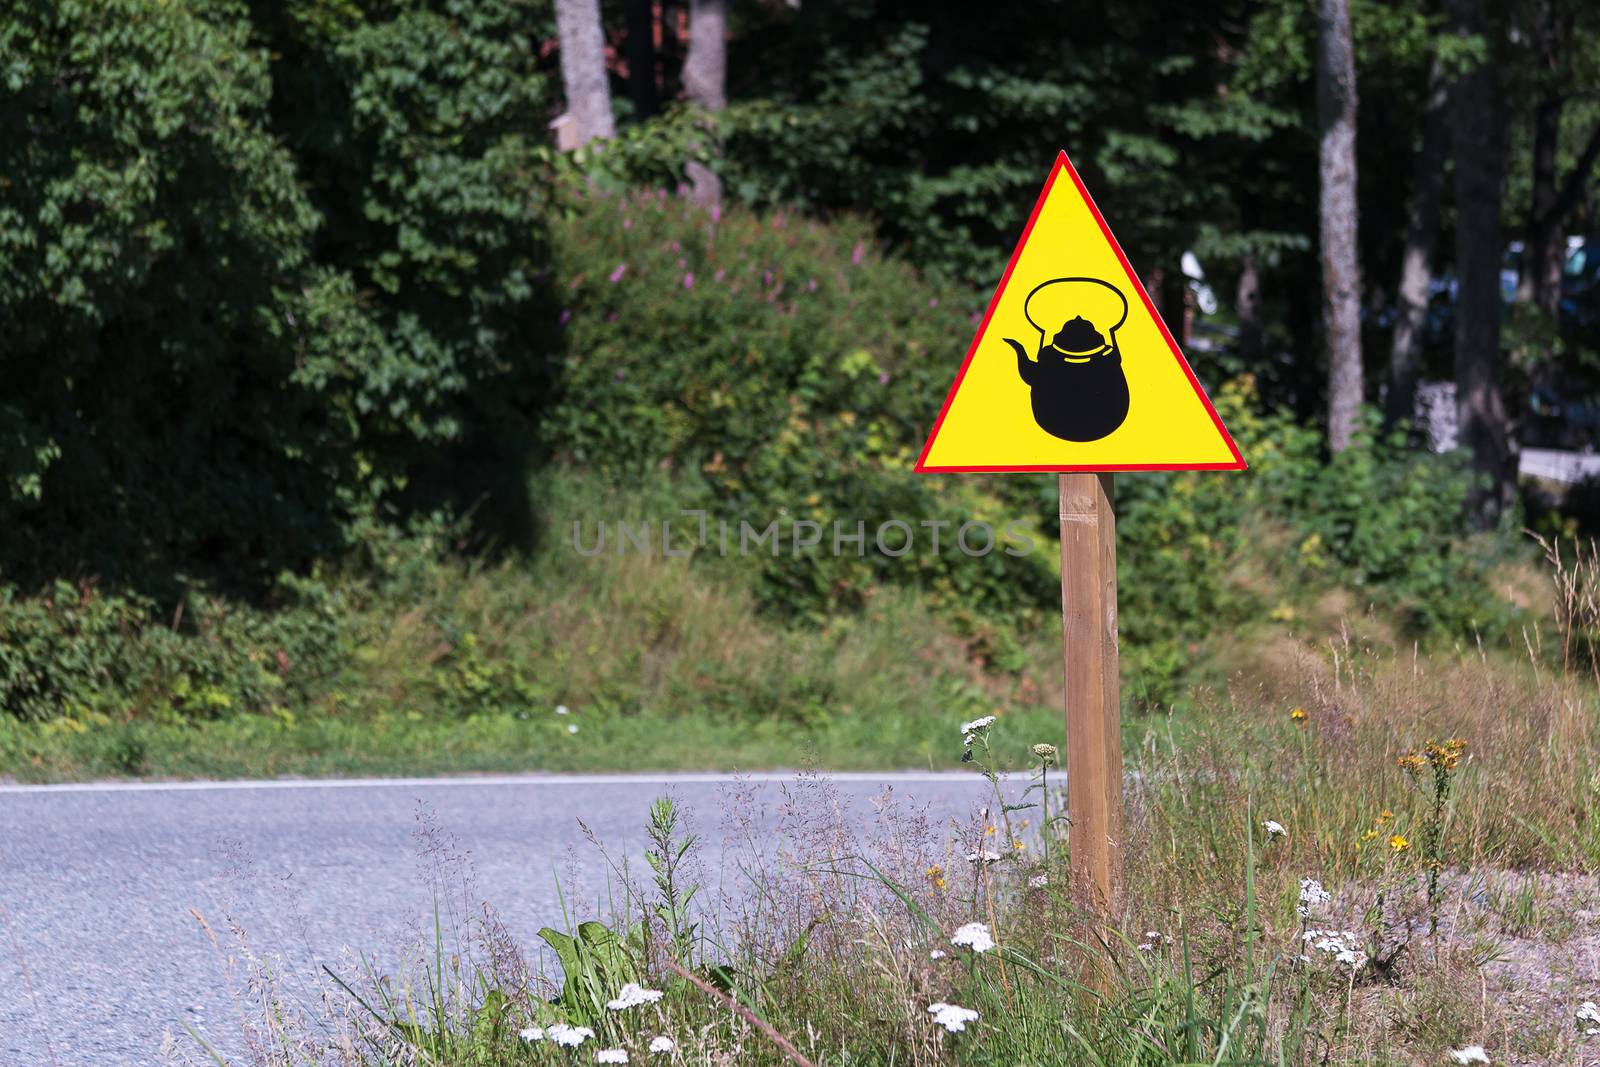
1073,372
1094,691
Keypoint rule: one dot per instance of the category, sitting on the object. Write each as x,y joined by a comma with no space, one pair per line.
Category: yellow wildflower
1298,715
1399,843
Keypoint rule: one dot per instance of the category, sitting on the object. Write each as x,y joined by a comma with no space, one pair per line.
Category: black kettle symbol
1078,389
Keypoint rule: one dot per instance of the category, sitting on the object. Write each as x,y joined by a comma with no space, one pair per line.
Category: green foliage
84,659
788,371
420,127
1381,517
596,963
219,354
158,295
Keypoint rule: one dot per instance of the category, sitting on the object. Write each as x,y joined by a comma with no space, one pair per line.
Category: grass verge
1355,856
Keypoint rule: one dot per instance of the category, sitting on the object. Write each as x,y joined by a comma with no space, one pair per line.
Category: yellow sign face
1072,369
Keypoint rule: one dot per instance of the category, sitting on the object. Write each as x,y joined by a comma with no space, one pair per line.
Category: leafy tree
419,128
177,365
219,354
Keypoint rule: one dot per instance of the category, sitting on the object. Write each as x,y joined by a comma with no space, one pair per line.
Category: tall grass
1300,890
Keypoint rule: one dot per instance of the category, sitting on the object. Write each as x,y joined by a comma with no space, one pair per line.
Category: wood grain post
1094,700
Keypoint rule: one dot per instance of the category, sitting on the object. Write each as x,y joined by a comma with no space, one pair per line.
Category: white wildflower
531,1034
1589,1012
1038,881
562,709
936,954
977,724
632,995
1312,895
974,936
953,1017
1152,938
662,1045
572,728
987,855
1274,829
1343,945
1470,1054
611,1055
1352,958
568,1036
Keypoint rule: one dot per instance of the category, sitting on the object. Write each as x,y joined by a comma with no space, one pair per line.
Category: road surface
107,891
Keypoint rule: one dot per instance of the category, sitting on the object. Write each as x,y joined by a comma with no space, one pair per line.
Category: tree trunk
583,69
671,64
1543,241
1341,267
1247,303
642,58
1416,264
705,77
1478,134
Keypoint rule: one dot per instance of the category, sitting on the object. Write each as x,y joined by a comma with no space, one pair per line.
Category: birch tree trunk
1341,268
583,70
705,81
1416,264
1478,136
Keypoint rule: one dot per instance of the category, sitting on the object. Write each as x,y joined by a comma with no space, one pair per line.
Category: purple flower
811,285
616,275
856,254
676,247
716,212
682,263
933,301
717,277
566,316
766,277
611,316
883,379
688,280
976,316
627,224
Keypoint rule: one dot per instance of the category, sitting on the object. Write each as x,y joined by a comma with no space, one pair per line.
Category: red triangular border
1065,164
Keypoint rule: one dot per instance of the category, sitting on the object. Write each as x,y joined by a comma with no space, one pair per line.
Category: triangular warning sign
1072,369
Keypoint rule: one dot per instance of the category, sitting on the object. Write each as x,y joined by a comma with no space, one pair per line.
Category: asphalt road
107,892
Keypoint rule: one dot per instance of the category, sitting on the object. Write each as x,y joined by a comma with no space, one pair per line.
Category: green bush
1385,520
78,654
787,372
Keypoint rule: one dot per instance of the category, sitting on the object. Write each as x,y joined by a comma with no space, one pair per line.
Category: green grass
824,929
390,744
443,665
